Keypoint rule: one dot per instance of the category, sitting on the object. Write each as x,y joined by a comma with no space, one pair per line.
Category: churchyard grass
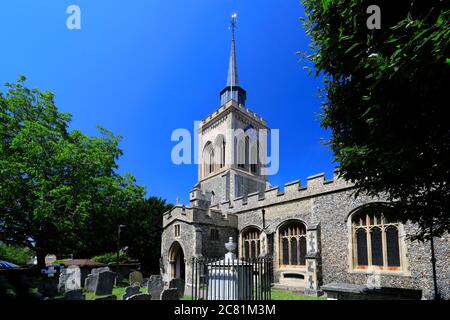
289,295
117,291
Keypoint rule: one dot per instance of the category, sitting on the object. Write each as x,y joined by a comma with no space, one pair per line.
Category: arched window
293,244
250,243
220,150
240,146
254,157
247,152
222,159
375,242
208,159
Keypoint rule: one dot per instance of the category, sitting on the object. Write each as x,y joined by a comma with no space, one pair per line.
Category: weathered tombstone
136,277
105,283
110,297
131,291
170,294
177,283
91,282
73,280
155,286
140,296
74,295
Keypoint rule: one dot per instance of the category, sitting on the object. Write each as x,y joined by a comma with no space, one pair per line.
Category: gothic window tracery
376,242
293,244
250,243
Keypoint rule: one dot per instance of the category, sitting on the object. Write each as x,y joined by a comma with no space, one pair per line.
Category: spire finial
233,24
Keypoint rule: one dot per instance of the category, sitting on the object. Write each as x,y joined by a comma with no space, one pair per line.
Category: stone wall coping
228,106
293,191
199,215
292,182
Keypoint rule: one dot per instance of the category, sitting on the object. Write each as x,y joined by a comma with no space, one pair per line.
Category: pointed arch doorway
176,259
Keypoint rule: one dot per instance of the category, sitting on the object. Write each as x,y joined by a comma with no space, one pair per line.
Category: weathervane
233,22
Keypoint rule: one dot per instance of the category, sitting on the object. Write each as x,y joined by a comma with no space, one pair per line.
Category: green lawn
289,295
117,291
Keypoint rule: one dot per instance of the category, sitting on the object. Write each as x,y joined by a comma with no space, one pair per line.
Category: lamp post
119,229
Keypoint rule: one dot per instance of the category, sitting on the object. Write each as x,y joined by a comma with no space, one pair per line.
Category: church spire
233,91
233,79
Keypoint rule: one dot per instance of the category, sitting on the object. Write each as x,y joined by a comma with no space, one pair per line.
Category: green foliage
111,257
15,254
385,99
142,234
59,189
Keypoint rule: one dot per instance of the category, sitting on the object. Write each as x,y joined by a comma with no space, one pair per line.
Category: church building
317,233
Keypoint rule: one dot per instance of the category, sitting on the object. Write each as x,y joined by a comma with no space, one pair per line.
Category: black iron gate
233,279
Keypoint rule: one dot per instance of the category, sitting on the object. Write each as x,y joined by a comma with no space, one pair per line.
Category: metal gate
232,279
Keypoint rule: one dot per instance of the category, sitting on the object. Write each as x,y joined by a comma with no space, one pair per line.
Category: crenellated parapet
196,215
316,185
223,110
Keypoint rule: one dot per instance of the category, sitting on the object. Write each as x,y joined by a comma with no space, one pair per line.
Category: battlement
232,104
315,186
195,215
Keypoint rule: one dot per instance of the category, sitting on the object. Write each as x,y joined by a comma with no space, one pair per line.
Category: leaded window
293,244
250,243
375,242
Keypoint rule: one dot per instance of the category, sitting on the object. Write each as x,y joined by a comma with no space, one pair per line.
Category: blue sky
143,68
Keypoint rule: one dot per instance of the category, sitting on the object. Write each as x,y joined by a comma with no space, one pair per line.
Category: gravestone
73,278
131,291
140,296
91,282
105,283
170,294
110,297
155,286
74,295
136,277
177,283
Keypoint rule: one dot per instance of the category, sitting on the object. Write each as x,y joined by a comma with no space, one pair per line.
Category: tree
142,234
54,184
385,99
15,254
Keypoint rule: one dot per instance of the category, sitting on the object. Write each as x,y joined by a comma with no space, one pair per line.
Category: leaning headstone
91,282
74,295
140,296
136,278
155,286
110,297
105,283
177,283
131,291
170,294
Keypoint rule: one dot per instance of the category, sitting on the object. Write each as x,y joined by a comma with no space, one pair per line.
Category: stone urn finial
231,245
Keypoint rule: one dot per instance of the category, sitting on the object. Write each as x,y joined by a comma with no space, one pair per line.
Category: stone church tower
231,155
318,234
